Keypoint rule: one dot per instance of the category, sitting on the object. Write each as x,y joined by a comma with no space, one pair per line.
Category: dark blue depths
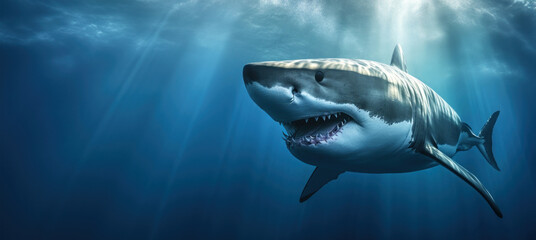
129,120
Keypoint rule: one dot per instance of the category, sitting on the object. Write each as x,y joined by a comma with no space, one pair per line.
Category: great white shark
346,115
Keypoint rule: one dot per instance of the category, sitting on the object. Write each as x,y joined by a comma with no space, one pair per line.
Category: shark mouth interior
314,130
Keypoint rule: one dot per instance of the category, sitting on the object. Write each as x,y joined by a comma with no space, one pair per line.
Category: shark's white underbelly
405,160
388,150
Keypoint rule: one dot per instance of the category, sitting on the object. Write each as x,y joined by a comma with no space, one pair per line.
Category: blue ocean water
130,119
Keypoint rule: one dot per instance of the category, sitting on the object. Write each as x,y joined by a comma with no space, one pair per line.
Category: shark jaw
312,131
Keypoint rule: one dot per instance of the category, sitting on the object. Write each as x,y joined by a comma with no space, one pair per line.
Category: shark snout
250,73
270,77
272,89
279,91
277,101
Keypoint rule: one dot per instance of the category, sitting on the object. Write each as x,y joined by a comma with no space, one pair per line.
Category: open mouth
314,130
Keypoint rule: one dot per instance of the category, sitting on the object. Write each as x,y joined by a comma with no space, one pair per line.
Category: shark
352,115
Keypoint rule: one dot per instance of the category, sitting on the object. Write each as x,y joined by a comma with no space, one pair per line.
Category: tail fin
485,133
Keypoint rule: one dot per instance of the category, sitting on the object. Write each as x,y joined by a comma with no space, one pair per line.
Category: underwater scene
139,120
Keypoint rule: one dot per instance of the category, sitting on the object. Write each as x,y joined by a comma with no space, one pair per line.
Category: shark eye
319,76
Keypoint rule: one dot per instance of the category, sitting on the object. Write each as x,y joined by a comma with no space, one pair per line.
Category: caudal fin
485,147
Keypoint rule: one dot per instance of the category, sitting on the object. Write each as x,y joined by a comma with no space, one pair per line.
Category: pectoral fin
318,179
461,172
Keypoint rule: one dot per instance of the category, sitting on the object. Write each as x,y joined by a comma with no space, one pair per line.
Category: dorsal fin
398,59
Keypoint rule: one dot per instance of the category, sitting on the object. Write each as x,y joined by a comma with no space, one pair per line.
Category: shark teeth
323,117
317,138
316,118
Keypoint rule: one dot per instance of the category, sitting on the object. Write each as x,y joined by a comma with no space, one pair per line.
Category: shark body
364,116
